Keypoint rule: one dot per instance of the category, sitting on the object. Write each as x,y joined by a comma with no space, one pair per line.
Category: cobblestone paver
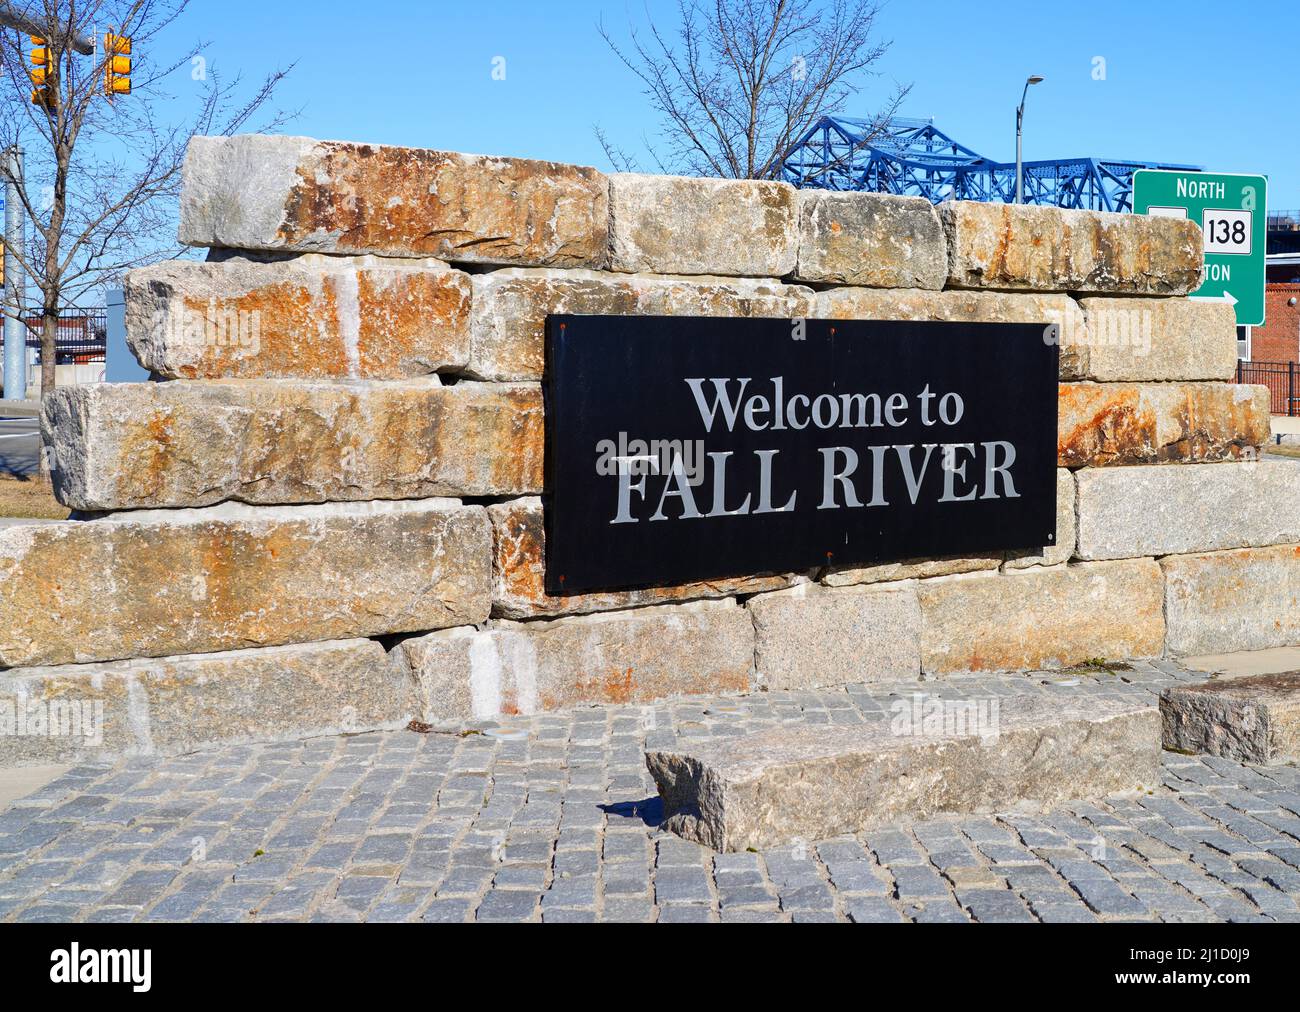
562,826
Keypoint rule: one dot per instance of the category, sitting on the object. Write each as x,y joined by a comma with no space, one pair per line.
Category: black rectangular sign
682,449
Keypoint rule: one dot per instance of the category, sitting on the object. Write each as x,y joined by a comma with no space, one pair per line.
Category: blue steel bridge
914,157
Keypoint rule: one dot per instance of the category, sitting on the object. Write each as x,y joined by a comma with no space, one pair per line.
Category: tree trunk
49,374
49,346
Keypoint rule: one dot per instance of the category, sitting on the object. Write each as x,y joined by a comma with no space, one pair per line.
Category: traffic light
117,65
44,73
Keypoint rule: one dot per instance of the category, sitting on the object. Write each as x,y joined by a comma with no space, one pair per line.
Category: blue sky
1193,81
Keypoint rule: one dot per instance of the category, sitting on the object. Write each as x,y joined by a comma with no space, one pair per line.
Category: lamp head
1035,79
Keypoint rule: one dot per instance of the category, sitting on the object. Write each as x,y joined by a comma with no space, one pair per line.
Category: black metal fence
1284,221
81,338
1279,377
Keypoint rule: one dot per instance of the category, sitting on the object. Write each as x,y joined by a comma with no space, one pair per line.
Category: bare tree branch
103,174
742,80
617,157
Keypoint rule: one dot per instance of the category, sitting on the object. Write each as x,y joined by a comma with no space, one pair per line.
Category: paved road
561,826
18,445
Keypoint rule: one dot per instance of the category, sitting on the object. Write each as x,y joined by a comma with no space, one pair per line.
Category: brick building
1279,339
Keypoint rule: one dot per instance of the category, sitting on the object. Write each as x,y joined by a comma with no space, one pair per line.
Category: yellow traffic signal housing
42,64
44,73
117,65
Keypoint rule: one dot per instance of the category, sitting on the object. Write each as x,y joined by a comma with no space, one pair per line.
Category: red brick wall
1279,339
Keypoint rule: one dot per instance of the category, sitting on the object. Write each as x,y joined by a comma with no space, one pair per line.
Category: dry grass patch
29,500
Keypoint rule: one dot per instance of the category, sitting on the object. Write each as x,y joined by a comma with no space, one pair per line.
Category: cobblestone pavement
561,826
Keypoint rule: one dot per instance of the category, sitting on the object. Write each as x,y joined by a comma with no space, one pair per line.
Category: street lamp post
1020,123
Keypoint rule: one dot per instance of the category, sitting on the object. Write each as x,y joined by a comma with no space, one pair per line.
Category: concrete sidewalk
1244,665
16,784
558,822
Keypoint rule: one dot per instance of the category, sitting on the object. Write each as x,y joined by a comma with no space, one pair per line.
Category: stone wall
327,514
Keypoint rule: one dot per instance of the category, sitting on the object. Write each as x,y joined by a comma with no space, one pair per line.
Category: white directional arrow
1227,297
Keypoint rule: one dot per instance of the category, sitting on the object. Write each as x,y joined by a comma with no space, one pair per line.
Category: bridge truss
915,157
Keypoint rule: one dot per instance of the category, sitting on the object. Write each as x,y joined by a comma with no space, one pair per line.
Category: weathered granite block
1224,602
964,307
1249,720
1130,423
619,657
169,582
175,705
785,785
1158,340
511,306
256,192
145,445
1129,512
1050,249
312,317
1066,530
876,240
519,574
1042,617
915,569
680,225
810,637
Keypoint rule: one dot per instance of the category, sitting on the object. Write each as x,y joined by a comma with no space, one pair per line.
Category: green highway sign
1231,210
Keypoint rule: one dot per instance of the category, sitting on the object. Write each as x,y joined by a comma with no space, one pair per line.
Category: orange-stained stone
292,193
186,444
312,317
169,582
1127,423
519,574
1050,249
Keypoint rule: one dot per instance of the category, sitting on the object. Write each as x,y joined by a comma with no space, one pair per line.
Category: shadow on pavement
17,465
650,811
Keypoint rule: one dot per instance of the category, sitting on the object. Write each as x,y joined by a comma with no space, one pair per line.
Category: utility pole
15,331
